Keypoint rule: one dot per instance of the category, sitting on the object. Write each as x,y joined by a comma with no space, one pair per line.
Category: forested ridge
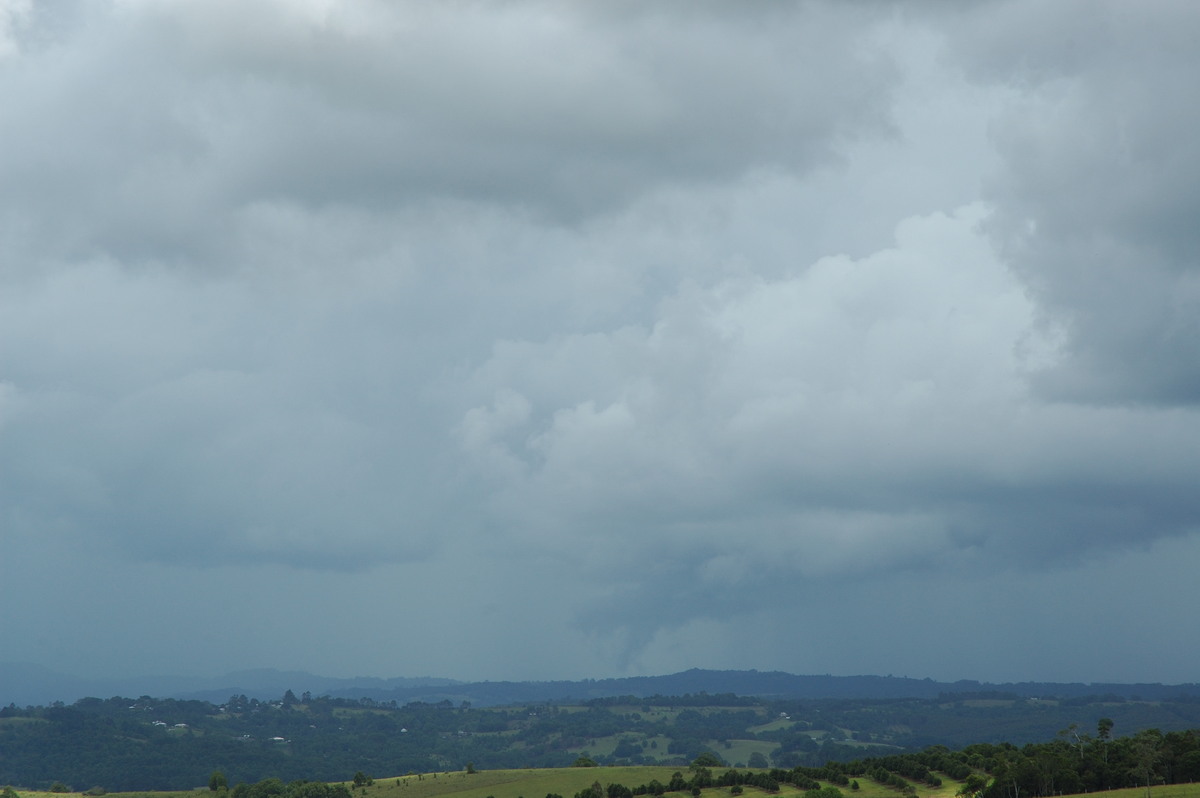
1004,746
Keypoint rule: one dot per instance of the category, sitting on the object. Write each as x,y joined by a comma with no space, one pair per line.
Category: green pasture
740,750
671,712
604,746
774,725
870,789
537,783
532,783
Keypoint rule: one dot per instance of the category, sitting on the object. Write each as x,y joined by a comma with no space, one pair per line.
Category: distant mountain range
24,684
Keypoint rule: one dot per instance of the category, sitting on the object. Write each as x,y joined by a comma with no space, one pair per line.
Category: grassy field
537,783
568,781
740,751
534,783
530,783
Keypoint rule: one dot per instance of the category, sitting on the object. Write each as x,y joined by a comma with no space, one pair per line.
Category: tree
618,791
758,760
627,748
1146,749
1071,733
1104,729
973,785
584,762
217,781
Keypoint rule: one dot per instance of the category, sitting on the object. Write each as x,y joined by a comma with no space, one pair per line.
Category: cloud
887,380
146,132
249,244
683,319
854,417
13,15
1098,187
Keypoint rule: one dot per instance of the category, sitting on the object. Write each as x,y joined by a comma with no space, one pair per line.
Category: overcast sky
539,340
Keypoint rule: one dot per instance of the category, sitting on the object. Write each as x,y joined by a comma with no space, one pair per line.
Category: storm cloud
591,334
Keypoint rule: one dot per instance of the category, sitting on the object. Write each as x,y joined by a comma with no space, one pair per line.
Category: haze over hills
27,684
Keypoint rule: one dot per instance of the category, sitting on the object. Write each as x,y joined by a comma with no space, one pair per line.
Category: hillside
23,684
162,744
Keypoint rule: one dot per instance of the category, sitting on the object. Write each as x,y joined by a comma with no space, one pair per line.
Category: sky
555,340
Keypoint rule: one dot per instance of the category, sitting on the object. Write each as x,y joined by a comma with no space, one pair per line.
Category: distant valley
747,718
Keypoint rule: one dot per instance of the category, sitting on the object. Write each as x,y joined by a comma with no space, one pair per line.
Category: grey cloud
143,130
539,310
174,421
1099,187
856,416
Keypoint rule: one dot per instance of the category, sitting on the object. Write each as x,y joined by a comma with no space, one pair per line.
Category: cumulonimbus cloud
348,287
854,412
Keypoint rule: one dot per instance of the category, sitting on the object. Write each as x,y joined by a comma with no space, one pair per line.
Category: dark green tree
972,786
618,791
1104,729
1147,755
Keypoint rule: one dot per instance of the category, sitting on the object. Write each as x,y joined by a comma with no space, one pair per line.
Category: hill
25,684
145,743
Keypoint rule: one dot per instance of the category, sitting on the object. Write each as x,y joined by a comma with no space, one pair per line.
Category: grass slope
537,783
533,783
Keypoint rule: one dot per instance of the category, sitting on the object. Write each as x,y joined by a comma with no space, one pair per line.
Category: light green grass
537,783
604,746
774,725
22,721
1162,791
197,793
531,783
740,751
870,789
